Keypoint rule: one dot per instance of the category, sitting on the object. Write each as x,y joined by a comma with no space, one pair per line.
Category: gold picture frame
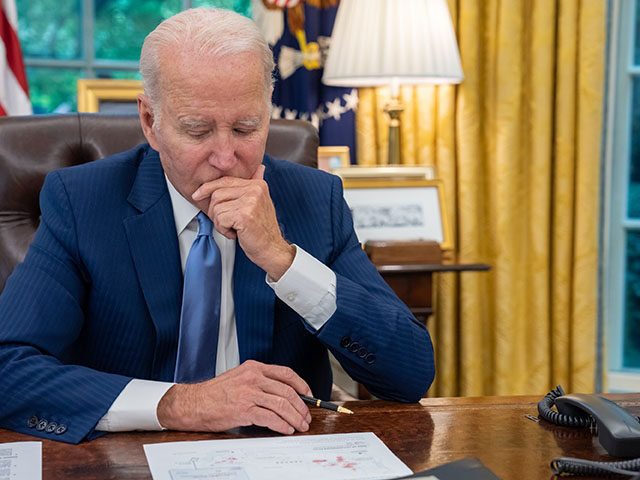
331,158
412,209
395,172
106,95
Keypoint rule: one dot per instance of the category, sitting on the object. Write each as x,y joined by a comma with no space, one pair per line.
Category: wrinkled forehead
178,64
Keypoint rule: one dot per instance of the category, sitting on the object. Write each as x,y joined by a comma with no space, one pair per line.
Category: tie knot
205,226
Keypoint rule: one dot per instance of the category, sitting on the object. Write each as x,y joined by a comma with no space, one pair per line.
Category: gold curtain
517,145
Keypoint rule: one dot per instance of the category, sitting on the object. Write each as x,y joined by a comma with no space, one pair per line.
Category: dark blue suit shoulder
110,176
116,164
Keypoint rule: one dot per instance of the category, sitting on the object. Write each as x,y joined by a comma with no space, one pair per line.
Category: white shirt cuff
309,288
135,408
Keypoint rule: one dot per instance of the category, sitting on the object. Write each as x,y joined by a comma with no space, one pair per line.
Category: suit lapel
154,247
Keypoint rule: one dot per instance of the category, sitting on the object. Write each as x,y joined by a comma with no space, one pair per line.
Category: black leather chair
32,146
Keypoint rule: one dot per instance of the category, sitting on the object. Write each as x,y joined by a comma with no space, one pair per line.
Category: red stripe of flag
14,56
3,112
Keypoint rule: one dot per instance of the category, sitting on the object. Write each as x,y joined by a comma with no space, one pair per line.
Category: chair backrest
32,146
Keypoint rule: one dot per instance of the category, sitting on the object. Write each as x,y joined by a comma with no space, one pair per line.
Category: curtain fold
517,145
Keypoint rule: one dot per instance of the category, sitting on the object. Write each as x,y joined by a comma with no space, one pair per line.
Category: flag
14,90
299,33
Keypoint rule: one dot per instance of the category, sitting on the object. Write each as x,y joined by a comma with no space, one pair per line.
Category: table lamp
392,42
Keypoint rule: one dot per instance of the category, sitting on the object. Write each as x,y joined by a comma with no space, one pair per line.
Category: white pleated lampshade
391,42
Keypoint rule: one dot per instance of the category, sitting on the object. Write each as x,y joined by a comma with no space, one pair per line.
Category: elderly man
194,283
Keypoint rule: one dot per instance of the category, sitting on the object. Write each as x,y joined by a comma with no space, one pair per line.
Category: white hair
209,32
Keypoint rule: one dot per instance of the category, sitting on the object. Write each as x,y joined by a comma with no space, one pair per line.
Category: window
621,226
64,41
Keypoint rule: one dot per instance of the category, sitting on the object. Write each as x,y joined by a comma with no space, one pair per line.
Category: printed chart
349,456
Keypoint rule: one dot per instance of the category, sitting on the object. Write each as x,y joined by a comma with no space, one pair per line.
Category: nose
222,153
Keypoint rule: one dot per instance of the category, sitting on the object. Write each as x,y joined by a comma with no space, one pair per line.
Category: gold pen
322,404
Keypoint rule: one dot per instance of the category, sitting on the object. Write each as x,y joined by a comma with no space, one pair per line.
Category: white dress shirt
308,287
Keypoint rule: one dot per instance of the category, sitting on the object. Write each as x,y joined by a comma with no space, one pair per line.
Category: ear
147,120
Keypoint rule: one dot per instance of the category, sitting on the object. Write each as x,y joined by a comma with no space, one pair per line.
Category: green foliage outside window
53,30
50,28
631,343
53,89
121,25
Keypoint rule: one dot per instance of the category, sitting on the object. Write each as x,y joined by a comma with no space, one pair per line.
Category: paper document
348,456
21,461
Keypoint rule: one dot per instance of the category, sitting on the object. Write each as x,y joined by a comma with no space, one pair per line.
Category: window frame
616,224
88,64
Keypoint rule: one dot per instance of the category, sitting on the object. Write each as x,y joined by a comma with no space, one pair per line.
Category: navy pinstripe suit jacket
97,300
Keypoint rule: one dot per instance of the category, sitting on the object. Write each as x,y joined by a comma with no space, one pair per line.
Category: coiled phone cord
577,466
545,411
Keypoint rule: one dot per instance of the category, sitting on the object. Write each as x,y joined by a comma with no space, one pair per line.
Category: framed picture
395,172
108,95
331,158
386,209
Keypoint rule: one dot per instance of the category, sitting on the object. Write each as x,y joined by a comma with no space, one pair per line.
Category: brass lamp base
394,109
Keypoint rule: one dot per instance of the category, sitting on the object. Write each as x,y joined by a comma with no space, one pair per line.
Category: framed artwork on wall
387,209
331,158
105,95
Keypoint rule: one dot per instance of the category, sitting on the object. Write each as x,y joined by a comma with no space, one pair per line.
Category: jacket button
370,359
51,427
61,429
32,422
345,342
353,348
362,352
42,424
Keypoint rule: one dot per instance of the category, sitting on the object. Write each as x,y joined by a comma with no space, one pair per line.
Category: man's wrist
173,408
282,262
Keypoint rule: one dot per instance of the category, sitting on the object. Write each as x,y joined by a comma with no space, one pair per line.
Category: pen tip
344,410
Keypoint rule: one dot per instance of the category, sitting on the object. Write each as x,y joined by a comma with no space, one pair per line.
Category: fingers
287,376
223,183
263,417
278,393
259,173
250,394
293,408
284,409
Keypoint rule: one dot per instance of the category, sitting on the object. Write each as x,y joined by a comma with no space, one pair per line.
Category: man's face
215,119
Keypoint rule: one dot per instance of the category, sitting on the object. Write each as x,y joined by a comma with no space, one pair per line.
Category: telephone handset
618,431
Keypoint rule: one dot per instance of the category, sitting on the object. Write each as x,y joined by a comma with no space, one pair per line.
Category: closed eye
243,131
198,134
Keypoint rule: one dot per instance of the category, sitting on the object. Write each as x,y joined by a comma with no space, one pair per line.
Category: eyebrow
249,122
187,123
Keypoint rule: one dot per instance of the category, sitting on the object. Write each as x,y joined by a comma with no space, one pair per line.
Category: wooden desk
424,435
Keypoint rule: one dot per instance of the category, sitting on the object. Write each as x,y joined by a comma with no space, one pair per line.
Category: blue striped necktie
200,317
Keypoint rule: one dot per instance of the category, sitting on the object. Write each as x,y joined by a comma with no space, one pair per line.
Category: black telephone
618,432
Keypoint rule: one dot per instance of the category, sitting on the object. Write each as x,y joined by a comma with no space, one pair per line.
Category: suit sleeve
373,334
41,315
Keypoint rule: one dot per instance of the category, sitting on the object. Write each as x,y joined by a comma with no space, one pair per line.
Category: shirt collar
183,210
